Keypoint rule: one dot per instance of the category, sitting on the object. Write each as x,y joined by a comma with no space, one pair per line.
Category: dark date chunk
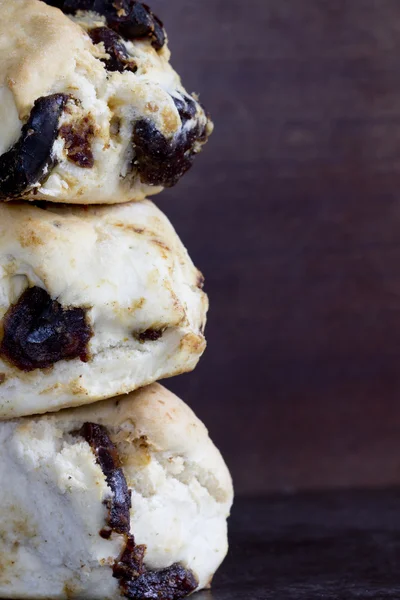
107,457
136,582
187,108
130,563
167,584
118,60
160,161
77,140
151,335
133,20
39,332
29,160
137,22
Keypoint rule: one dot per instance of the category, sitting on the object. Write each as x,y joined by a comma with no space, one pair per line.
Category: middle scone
94,302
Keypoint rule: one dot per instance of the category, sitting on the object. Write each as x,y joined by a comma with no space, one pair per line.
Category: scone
91,111
125,498
94,302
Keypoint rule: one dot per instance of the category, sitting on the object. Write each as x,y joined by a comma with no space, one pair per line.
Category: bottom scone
125,498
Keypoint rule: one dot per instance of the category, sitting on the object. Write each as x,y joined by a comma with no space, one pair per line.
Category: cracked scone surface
94,302
54,497
90,109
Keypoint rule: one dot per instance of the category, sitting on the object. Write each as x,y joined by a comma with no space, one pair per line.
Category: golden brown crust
160,422
38,46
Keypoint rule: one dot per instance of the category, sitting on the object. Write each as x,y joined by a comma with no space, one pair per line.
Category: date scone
91,112
127,498
95,301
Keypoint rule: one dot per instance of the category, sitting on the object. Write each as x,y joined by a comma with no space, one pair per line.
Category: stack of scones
121,493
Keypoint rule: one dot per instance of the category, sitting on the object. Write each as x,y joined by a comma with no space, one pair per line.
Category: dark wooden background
293,214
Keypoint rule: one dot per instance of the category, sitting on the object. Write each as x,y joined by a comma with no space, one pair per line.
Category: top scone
90,109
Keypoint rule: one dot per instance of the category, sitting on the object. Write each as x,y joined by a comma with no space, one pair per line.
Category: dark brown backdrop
293,213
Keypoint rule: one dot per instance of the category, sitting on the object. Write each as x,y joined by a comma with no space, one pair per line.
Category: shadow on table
339,545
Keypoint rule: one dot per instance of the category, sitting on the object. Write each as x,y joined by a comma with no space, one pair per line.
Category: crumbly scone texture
54,497
87,115
94,302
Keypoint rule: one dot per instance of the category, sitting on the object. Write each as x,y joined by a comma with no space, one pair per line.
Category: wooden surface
331,546
293,214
